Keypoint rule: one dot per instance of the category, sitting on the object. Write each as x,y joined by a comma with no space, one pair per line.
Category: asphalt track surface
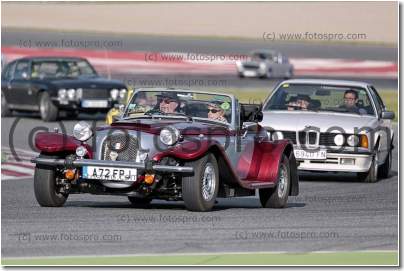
332,213
13,37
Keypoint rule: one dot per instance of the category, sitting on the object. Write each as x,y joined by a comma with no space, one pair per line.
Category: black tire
277,197
370,176
45,187
139,202
241,75
5,111
48,111
384,169
193,186
289,74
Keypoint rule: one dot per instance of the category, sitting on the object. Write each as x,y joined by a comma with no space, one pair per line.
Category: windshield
188,104
306,97
61,68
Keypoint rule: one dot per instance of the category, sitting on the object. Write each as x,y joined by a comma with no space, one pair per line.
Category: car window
61,68
8,71
21,69
314,97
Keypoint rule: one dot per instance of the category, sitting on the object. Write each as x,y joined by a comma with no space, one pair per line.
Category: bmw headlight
71,94
62,94
277,135
339,140
114,94
82,131
122,93
353,140
169,136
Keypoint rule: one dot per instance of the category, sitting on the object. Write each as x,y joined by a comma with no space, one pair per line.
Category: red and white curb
17,164
138,62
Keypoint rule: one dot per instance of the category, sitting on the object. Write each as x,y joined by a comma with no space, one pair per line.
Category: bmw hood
299,120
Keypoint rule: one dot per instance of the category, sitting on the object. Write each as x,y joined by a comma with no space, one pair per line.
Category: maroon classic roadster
173,145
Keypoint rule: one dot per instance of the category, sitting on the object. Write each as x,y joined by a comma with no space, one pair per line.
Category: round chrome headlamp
169,136
277,135
353,140
339,140
114,93
82,131
81,151
71,94
62,93
122,93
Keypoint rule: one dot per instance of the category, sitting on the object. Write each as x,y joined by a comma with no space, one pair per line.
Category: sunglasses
214,111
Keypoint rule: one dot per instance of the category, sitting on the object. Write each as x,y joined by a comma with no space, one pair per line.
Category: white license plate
110,173
311,155
94,103
250,73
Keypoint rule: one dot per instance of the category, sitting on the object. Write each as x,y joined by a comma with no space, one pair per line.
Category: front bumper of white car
338,161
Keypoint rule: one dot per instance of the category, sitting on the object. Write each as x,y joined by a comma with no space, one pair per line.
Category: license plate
311,155
94,103
250,73
110,173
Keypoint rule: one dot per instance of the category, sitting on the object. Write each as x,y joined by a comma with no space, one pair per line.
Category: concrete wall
377,20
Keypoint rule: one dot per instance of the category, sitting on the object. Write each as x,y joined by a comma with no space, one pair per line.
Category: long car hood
83,82
299,120
185,127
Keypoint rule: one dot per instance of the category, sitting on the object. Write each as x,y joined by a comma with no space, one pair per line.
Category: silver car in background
335,125
265,64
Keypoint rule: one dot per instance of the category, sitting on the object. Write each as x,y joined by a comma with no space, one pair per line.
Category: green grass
326,258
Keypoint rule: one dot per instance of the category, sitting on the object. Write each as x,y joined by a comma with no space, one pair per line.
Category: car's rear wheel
199,192
371,175
139,202
384,169
289,74
5,111
48,111
45,187
277,197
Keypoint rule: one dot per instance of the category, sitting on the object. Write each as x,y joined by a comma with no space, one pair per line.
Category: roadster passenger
173,145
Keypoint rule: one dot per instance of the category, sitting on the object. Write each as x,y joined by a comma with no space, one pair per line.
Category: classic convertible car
335,125
173,145
52,85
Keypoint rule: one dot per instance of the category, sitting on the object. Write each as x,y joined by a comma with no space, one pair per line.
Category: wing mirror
259,116
388,115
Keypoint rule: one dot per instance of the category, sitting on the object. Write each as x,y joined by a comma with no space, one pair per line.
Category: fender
50,143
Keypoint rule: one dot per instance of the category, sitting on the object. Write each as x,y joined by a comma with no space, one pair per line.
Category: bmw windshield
312,97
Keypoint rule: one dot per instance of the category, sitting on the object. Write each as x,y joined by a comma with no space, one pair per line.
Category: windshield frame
278,86
232,124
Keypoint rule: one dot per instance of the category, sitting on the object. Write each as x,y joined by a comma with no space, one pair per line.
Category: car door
6,76
19,86
383,124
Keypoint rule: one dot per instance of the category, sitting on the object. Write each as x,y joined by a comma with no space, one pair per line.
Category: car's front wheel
48,111
199,192
45,187
277,197
384,169
371,175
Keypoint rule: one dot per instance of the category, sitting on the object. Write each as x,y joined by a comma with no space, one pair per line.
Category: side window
8,72
379,99
21,70
379,106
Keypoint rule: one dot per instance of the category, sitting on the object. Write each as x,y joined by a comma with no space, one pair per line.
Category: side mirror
259,116
388,115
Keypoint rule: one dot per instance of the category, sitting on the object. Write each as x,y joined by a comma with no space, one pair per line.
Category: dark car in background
52,85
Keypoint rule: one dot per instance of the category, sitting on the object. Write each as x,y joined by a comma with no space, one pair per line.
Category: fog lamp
348,161
149,178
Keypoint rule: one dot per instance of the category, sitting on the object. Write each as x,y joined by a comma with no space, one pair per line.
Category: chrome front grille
120,147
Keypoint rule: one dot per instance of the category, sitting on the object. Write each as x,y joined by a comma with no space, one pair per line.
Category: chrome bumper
333,162
75,163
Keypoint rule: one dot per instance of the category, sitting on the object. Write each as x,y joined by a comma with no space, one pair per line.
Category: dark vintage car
54,84
173,145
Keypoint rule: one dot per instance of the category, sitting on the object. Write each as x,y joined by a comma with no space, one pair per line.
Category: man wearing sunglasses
168,102
215,112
